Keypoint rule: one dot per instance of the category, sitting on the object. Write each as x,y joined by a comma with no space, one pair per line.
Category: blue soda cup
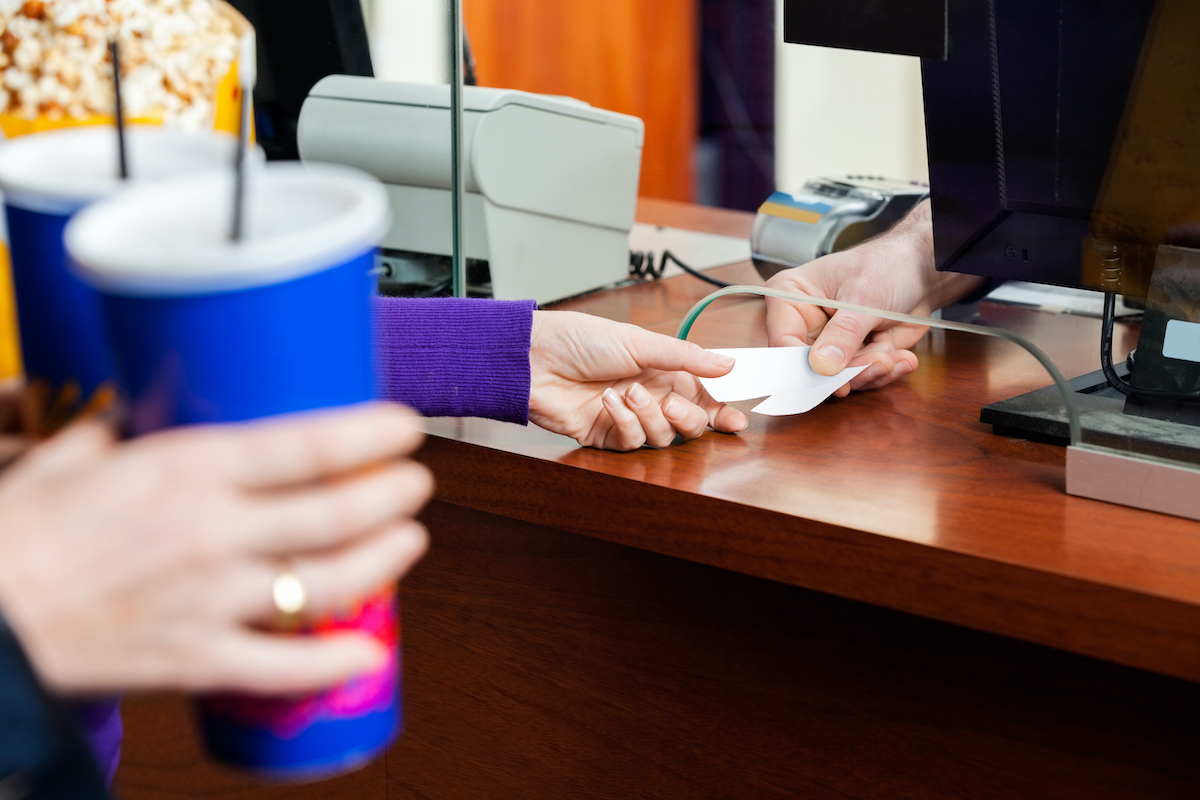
46,178
207,330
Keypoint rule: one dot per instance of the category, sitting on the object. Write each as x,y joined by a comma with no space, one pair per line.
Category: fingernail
876,371
672,409
902,368
833,355
611,396
722,361
638,395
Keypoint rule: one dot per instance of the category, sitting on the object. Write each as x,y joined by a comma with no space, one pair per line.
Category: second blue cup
47,178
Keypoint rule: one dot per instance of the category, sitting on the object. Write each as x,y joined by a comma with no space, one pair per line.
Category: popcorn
54,59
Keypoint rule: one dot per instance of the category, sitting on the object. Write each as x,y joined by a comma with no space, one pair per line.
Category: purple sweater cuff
101,723
448,357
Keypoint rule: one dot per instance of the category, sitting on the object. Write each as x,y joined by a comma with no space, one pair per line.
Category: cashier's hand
150,564
617,387
892,272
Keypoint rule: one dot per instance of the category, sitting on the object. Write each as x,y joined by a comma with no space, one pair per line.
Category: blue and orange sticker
801,208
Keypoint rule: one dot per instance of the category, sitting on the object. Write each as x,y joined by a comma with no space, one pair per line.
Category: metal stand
1126,480
1123,458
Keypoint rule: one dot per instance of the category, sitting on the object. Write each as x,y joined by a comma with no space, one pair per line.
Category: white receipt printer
551,182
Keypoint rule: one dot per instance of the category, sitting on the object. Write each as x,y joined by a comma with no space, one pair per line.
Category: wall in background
840,111
409,39
637,57
835,112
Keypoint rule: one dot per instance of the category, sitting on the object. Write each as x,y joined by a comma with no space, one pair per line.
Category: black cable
641,265
693,272
1110,372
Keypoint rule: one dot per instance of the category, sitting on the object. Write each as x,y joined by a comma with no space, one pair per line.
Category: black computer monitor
1025,121
1064,148
1025,109
299,43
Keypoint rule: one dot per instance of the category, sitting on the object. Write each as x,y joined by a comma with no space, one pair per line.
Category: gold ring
290,597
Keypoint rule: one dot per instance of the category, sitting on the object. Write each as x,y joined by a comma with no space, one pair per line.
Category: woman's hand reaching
617,387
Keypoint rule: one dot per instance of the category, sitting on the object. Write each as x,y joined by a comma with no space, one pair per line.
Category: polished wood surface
876,599
636,57
556,665
899,497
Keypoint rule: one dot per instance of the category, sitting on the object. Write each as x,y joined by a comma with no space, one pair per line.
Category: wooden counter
878,598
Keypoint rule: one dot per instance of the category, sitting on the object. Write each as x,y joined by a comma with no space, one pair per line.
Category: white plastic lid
58,172
171,238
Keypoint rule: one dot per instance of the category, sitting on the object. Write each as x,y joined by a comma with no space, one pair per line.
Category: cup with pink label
209,330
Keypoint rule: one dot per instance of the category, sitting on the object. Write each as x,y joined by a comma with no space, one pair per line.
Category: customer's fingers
257,662
73,448
321,516
335,579
304,447
12,448
656,428
687,418
626,432
718,415
728,419
332,580
657,351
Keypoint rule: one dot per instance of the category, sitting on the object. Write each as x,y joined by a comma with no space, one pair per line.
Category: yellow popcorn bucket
226,105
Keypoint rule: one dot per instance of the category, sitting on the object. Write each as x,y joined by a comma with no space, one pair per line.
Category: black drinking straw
239,174
114,51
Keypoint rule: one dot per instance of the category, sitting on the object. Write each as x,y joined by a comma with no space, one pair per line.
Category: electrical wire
667,254
1110,372
641,265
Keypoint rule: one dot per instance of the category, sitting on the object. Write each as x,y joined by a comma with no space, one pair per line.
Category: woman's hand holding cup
158,572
